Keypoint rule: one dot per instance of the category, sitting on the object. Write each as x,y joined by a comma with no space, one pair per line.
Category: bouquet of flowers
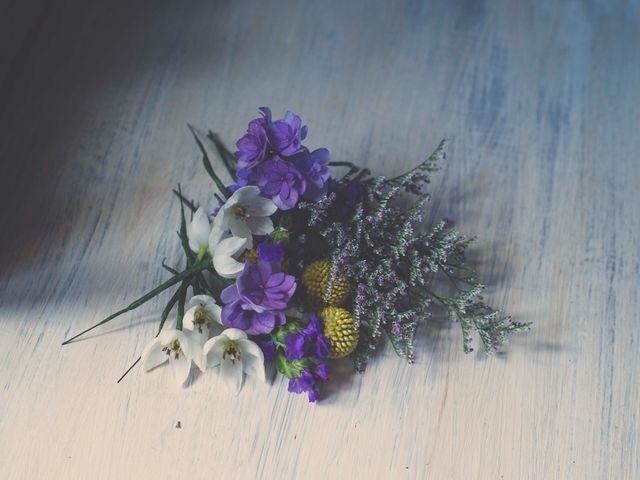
297,266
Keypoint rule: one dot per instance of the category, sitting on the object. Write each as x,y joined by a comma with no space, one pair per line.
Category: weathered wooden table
540,102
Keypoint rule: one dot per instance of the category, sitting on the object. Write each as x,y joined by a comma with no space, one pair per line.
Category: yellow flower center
174,349
239,211
200,319
232,351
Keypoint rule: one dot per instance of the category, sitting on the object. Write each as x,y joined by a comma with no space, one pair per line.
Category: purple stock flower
308,380
268,347
255,303
307,342
280,181
252,147
285,135
270,252
303,383
314,167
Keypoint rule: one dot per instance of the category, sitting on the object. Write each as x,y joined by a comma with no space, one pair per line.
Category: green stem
196,268
207,165
180,310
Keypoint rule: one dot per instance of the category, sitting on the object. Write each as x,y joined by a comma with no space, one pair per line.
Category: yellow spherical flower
315,279
340,330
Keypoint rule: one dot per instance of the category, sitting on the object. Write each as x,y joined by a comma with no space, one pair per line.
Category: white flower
198,232
179,348
225,249
235,354
246,213
202,312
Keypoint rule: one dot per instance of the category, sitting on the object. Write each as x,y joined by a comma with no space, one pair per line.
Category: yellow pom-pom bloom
340,331
315,279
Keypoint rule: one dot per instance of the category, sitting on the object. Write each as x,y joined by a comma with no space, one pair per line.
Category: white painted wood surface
540,101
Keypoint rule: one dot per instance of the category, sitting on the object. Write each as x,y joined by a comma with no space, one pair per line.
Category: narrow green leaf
180,309
190,204
228,158
170,304
198,267
207,164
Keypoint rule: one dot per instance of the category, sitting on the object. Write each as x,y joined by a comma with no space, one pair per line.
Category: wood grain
541,106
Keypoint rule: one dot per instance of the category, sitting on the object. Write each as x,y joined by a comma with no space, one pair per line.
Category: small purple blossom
314,167
308,381
252,147
255,303
280,181
308,342
268,347
270,252
285,135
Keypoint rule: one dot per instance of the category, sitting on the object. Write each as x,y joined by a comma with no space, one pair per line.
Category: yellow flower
340,330
315,279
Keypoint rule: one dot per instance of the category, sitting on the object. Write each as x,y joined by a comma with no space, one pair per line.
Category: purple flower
308,381
270,252
307,342
252,147
280,181
285,135
303,383
255,302
268,347
322,371
314,167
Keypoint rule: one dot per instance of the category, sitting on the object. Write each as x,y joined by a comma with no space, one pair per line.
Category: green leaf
291,369
170,304
207,164
228,158
180,309
190,204
187,273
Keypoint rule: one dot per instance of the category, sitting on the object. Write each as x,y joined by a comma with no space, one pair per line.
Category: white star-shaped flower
179,349
246,213
202,313
236,355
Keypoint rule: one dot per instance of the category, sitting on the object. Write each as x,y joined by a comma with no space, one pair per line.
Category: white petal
152,356
231,246
189,315
232,375
181,368
169,335
217,234
261,207
244,195
198,230
198,338
260,225
252,359
197,353
253,367
215,311
235,334
227,267
240,228
200,301
213,349
223,260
